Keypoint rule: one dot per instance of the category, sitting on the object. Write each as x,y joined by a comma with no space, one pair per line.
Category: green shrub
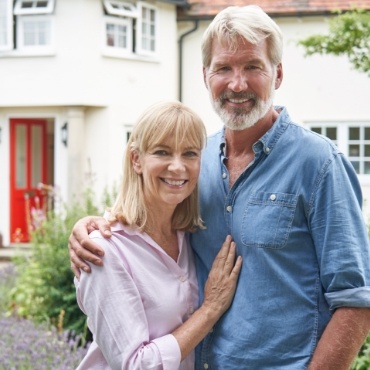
44,289
362,361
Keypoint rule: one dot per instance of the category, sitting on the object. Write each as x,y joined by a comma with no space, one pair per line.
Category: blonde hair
159,123
250,23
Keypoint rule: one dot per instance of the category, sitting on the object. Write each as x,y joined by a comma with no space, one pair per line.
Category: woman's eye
160,152
191,153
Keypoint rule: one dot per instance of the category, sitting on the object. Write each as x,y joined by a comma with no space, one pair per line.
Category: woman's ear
135,160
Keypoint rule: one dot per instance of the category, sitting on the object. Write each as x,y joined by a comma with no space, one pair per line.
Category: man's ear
279,75
135,160
205,77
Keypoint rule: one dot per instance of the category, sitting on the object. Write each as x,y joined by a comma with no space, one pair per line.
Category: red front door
27,169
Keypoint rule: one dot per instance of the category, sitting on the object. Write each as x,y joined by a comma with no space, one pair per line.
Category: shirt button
229,209
205,366
182,278
272,197
224,175
268,150
191,310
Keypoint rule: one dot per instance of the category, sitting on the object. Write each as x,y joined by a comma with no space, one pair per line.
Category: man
292,203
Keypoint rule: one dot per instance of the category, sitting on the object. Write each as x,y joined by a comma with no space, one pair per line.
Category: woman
142,305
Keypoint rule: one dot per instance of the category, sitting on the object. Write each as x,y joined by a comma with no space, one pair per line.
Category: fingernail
85,269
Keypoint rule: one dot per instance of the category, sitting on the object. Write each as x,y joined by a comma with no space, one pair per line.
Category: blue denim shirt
295,214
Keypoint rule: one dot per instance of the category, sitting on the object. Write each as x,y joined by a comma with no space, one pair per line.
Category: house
76,74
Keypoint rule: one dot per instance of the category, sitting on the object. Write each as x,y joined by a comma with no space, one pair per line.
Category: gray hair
248,22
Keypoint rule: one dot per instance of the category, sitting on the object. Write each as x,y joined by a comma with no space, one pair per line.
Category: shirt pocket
267,219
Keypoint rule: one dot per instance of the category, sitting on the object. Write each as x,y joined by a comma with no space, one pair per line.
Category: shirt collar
270,138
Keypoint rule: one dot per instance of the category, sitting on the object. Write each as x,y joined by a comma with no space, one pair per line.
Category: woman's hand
222,279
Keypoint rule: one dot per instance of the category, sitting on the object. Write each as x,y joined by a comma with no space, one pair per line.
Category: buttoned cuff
170,351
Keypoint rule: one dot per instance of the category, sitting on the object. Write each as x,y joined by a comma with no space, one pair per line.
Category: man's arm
82,248
342,339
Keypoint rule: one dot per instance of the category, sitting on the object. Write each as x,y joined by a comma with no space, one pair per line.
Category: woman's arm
117,317
218,294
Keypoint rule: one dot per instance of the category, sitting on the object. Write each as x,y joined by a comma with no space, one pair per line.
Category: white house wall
99,96
315,89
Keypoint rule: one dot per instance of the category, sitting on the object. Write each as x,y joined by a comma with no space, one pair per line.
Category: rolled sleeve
357,297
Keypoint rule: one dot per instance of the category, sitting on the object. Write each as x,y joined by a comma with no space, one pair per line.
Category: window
34,32
353,139
119,33
330,132
359,148
130,28
23,7
6,25
33,29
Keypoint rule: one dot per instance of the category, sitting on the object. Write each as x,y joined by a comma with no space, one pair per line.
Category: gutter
181,40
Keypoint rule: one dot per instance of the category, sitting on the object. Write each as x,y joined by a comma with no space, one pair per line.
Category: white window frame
19,10
116,50
343,142
20,33
6,15
122,9
131,11
139,35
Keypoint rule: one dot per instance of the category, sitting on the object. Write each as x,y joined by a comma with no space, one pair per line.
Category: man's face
241,83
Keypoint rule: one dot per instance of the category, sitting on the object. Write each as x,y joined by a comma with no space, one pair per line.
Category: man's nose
238,81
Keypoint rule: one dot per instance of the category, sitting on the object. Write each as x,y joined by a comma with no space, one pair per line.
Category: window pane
354,133
354,150
26,4
356,166
29,29
116,35
316,129
367,150
331,133
20,156
367,133
367,168
36,155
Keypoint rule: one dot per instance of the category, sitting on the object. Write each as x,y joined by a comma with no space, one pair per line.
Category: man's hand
82,248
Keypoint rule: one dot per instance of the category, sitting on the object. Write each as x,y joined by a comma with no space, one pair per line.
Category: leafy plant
362,361
44,287
349,35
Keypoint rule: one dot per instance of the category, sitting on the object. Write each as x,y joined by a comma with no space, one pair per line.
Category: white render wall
315,89
98,95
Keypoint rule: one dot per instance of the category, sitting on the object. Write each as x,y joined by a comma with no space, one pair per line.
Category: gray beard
238,119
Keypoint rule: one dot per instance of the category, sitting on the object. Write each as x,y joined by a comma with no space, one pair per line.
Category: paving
7,253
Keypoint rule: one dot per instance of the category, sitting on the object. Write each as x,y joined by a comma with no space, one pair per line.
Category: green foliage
349,35
44,289
362,361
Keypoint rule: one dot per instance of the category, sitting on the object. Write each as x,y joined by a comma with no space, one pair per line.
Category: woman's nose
176,164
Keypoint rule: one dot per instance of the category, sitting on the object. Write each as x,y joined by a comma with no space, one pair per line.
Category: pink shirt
135,301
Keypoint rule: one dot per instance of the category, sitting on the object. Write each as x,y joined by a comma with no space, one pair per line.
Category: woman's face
169,173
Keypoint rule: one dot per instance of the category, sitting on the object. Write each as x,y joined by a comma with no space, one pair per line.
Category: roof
207,9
